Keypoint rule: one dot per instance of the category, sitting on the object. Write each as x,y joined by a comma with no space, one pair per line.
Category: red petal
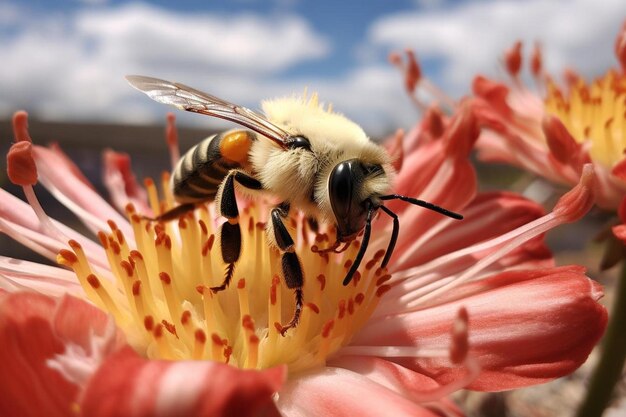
129,385
28,386
561,143
619,169
339,392
494,93
525,327
489,215
76,321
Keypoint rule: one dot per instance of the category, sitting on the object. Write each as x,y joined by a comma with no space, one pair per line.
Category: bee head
349,196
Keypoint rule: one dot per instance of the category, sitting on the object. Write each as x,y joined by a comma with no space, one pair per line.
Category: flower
476,304
554,136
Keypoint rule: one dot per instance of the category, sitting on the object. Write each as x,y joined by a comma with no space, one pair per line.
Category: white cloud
471,38
72,66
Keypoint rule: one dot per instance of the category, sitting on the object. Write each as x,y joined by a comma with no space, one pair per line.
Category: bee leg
230,232
292,269
172,214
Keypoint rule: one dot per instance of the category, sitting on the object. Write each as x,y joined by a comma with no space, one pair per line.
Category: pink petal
122,183
525,327
489,215
129,385
29,387
70,189
340,392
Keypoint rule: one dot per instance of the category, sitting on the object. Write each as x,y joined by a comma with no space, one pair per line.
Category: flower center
158,290
595,113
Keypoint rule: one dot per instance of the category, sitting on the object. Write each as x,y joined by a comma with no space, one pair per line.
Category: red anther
216,339
185,317
250,225
148,182
227,352
412,72
201,289
128,268
135,218
347,264
182,224
350,306
158,331
342,309
379,271
169,327
21,167
513,58
165,278
135,254
273,293
253,339
241,284
321,278
371,263
115,247
356,278
382,289
203,227
571,77
460,343
136,288
68,255
168,242
560,142
260,225
129,208
536,61
328,326
200,336
278,327
578,201
20,126
247,322
359,298
379,254
620,47
120,236
313,307
380,281
275,280
148,323
171,134
93,281
112,225
74,244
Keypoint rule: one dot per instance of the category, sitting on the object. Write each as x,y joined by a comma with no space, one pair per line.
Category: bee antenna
394,235
364,242
424,204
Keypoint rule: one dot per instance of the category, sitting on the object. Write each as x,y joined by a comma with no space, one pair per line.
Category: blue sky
65,60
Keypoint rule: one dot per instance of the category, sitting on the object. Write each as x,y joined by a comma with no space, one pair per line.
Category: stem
609,368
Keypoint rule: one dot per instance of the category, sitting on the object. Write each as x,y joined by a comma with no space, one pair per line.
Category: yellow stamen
161,293
595,113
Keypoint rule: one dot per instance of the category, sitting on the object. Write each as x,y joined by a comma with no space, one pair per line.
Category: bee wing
190,99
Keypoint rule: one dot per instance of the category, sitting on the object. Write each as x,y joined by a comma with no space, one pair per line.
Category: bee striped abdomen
202,169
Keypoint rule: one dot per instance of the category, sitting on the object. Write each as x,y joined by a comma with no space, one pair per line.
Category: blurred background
64,61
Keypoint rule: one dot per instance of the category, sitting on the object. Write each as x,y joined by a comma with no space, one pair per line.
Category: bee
311,158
